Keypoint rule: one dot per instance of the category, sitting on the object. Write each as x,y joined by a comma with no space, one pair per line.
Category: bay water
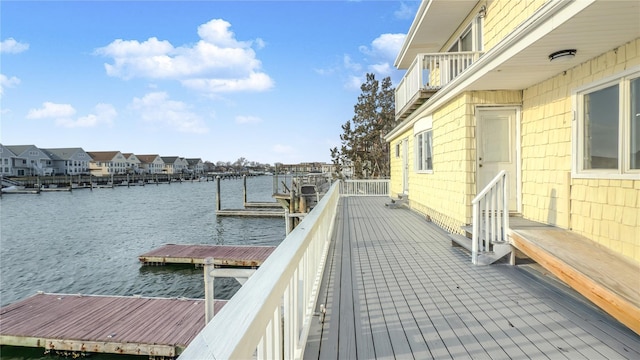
88,241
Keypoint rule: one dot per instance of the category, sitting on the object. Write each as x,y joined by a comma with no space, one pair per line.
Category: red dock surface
103,324
246,256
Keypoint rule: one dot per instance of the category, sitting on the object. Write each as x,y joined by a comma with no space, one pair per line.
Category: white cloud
218,62
157,108
63,115
52,110
405,12
354,82
385,47
6,82
240,119
12,46
255,82
350,65
104,114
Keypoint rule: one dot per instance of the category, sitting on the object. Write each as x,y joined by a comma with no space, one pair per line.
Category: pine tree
362,141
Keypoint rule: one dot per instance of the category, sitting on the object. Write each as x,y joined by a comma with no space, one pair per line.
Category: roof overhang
434,23
521,60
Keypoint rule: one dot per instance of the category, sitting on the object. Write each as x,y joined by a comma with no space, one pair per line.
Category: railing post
474,236
209,298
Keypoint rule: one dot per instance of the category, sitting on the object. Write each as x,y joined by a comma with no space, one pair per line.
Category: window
424,151
471,38
397,150
607,131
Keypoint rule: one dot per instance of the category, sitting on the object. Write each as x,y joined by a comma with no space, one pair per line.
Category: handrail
432,71
270,315
490,216
376,187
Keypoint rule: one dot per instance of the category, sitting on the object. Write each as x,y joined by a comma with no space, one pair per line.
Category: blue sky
270,81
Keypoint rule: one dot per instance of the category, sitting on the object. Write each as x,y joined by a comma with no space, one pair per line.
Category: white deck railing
270,315
490,216
431,72
364,188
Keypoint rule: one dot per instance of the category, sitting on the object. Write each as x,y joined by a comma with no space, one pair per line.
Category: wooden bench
608,279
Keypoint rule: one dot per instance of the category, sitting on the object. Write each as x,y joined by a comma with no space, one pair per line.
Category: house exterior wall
445,195
505,16
604,210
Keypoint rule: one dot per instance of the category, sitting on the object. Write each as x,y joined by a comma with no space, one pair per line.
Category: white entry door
497,149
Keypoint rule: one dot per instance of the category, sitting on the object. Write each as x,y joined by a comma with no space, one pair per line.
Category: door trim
517,145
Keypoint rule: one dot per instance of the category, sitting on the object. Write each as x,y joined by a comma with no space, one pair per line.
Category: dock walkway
223,255
157,327
395,288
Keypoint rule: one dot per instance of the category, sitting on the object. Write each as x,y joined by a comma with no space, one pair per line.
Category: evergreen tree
362,140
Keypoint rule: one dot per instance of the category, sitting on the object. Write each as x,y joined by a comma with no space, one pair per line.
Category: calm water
88,241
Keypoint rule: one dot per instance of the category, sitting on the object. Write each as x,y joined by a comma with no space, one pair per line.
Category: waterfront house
105,163
29,160
133,163
6,161
174,164
195,165
546,91
69,161
151,164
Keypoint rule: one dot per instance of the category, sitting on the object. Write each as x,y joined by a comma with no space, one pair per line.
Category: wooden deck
252,212
395,288
103,324
223,255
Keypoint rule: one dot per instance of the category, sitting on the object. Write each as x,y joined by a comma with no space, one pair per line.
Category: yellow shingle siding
445,195
606,211
503,16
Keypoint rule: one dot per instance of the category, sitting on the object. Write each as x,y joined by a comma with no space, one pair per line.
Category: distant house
6,161
105,163
548,91
195,165
30,161
173,164
69,161
151,164
133,163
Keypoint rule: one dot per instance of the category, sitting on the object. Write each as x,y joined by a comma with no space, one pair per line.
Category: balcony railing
364,188
430,72
269,317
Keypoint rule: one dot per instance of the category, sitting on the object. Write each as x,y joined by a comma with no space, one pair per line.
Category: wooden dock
223,255
257,212
156,327
262,205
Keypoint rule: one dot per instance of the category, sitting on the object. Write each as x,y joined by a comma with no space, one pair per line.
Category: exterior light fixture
563,55
483,11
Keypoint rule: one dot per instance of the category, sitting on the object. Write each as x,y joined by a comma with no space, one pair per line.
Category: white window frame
474,30
623,171
421,128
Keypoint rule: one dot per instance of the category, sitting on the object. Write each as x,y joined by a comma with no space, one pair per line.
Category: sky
270,81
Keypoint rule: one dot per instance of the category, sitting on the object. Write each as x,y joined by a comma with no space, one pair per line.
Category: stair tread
461,240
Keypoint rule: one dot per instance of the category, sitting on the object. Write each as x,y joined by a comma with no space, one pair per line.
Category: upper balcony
427,74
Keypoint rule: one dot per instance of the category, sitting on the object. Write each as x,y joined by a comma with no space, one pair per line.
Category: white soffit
600,27
435,22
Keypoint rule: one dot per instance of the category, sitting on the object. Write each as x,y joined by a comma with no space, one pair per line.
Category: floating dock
273,213
251,209
156,327
223,255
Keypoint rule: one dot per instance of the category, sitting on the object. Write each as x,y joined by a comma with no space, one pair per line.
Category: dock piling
209,298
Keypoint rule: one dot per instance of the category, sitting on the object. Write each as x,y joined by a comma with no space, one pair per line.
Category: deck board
418,297
109,324
223,255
